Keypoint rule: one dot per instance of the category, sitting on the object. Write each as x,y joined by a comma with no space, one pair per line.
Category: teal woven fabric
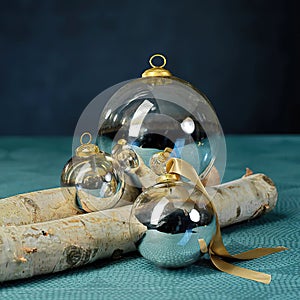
28,164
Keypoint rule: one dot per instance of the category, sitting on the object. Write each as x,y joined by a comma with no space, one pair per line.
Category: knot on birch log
77,256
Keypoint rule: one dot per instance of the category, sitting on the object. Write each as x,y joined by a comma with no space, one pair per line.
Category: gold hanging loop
83,135
153,57
86,148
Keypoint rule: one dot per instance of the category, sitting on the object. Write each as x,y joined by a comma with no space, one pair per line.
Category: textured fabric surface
28,164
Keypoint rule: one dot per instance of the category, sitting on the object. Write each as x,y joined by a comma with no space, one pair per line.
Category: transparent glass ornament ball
155,113
168,220
94,178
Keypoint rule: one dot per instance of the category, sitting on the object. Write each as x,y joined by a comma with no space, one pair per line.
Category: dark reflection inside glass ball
180,220
150,124
158,123
173,208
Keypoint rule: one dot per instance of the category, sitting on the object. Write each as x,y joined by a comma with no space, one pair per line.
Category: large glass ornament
179,222
92,173
159,112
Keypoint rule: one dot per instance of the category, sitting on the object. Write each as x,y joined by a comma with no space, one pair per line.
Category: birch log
51,204
57,203
57,245
53,246
243,199
39,206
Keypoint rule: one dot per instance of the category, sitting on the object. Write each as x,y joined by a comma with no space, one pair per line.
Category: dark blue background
56,56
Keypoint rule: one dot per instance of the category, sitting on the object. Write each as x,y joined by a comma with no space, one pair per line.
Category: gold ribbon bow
217,251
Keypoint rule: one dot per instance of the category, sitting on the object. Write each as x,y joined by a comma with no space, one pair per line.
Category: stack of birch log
43,232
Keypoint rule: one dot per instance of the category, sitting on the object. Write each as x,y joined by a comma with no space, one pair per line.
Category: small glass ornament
131,166
158,112
91,172
172,223
126,158
158,161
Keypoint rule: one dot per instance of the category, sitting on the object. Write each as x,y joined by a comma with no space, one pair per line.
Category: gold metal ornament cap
157,71
86,148
169,177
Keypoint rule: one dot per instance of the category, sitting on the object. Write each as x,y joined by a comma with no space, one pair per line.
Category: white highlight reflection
157,211
188,125
194,215
138,118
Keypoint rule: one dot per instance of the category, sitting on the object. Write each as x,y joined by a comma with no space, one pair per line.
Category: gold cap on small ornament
86,148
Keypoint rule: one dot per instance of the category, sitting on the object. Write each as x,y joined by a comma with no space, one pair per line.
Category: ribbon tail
240,272
258,252
217,248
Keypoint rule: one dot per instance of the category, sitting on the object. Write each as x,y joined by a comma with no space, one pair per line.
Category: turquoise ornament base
175,250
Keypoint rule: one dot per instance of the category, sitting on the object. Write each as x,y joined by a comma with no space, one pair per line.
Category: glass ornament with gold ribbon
178,221
180,224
